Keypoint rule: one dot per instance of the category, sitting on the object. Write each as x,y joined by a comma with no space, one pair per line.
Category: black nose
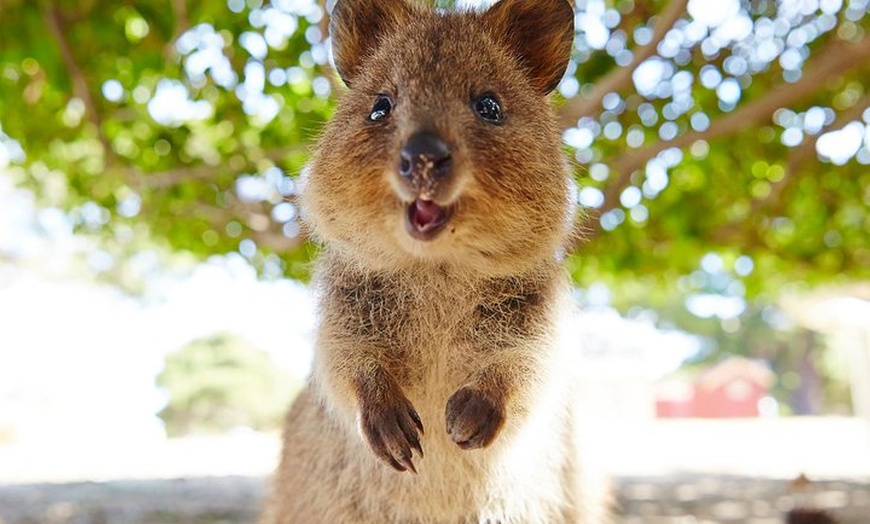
425,156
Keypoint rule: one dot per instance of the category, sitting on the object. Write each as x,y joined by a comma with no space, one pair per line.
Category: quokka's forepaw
473,419
392,429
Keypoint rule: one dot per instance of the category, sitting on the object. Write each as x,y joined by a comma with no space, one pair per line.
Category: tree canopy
734,129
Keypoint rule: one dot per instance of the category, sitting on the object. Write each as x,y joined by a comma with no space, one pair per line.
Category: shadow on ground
676,499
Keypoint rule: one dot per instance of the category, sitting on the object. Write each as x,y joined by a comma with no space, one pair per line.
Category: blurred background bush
220,383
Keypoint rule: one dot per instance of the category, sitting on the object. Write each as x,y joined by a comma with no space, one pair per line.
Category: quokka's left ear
539,33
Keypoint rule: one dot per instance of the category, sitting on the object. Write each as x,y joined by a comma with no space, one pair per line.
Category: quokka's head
444,150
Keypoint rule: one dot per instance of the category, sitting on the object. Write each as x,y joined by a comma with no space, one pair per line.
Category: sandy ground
777,448
834,447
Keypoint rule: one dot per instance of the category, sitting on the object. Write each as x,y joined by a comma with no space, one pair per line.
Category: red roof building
731,388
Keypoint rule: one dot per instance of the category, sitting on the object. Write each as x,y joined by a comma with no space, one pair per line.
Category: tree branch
833,62
77,78
619,78
260,227
171,177
182,24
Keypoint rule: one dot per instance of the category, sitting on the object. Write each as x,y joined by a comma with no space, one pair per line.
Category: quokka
441,198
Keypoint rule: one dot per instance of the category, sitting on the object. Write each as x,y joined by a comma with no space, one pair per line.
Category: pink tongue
427,214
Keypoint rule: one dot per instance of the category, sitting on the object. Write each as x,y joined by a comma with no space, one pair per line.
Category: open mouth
425,219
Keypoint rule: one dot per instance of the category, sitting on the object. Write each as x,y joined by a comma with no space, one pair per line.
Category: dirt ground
686,499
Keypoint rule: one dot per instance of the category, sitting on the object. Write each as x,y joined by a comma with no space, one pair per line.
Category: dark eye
488,108
381,109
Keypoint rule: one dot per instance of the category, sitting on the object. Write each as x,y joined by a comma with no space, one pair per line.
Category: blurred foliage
219,383
695,128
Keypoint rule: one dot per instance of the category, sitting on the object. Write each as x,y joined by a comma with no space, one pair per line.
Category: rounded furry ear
356,27
539,33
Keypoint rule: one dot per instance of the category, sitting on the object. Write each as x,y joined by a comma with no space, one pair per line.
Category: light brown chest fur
436,331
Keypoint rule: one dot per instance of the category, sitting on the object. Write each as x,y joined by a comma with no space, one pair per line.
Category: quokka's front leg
474,416
368,393
509,337
476,412
388,420
363,316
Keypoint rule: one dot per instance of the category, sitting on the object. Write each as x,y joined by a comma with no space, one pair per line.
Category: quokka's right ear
356,28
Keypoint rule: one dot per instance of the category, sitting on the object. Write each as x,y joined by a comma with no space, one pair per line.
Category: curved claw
416,418
392,429
410,431
408,463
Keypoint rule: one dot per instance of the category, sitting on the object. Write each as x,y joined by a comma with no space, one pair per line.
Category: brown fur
444,346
